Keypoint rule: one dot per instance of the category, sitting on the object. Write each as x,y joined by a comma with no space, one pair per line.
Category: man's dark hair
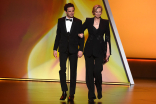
68,5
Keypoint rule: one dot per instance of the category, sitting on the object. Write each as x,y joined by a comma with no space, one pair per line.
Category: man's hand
55,53
81,35
80,53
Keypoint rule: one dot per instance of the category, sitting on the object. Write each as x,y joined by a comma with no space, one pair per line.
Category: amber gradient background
28,31
135,21
22,24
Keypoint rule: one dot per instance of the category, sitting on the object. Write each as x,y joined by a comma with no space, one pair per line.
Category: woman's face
98,13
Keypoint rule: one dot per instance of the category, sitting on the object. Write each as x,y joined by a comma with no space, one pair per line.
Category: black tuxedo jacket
96,44
69,41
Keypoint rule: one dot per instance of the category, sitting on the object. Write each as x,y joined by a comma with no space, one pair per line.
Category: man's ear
65,12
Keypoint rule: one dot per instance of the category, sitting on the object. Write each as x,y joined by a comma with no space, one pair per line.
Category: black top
94,39
95,30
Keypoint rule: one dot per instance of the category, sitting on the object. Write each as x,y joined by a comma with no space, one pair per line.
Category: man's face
70,12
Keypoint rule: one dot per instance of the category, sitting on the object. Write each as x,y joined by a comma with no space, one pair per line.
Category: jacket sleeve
84,26
81,40
58,36
107,37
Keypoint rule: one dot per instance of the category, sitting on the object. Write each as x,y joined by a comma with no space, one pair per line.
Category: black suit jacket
95,44
64,40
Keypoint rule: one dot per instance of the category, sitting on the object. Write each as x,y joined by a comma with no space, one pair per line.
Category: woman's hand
107,53
107,56
80,35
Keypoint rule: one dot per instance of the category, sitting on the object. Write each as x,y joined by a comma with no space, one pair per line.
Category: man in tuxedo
70,45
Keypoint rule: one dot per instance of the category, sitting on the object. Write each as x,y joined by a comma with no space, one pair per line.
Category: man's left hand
80,53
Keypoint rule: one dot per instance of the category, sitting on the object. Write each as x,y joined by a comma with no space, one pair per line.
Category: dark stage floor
30,92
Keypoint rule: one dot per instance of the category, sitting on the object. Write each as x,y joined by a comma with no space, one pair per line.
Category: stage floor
30,92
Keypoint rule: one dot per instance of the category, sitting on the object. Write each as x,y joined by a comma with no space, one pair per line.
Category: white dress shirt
68,24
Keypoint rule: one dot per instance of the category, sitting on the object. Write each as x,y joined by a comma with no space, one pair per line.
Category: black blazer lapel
64,24
100,25
73,24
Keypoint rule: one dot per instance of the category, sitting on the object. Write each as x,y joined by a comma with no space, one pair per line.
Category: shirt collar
68,18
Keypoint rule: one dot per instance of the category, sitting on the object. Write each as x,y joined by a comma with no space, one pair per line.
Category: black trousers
73,71
94,67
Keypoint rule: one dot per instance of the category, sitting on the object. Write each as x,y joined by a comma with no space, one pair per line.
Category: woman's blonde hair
95,8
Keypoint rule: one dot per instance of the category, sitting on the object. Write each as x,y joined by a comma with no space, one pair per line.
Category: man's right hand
55,54
81,35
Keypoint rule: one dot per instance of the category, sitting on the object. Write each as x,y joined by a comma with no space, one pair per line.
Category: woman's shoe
99,95
91,100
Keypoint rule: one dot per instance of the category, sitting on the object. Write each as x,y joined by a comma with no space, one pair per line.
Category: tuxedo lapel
73,24
64,24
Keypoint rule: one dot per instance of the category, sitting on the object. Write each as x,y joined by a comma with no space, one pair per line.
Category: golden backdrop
28,31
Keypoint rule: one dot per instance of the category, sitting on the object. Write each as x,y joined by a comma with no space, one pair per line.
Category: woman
96,50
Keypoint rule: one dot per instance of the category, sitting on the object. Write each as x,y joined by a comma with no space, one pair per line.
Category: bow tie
69,20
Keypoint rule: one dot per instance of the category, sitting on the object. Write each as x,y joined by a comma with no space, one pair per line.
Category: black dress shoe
71,98
64,95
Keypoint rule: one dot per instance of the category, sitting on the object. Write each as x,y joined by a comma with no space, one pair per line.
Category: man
67,40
